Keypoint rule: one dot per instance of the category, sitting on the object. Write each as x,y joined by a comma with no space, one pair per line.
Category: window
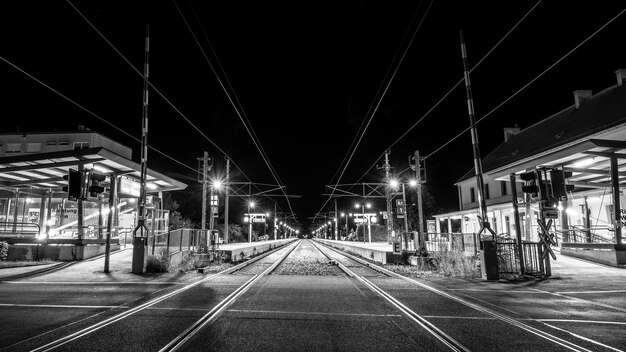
503,188
487,191
472,195
14,147
33,147
81,145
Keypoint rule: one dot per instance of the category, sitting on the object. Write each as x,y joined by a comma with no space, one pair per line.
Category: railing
176,241
594,234
508,257
16,229
458,242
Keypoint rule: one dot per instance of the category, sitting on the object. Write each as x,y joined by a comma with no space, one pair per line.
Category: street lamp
250,206
369,227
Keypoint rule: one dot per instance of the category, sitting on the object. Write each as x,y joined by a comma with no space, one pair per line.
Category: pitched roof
600,112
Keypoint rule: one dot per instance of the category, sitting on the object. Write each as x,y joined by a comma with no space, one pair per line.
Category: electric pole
226,195
418,186
205,163
388,196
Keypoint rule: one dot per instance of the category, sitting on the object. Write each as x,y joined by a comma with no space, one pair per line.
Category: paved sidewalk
91,270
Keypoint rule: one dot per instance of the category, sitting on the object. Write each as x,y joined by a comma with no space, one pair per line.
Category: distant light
329,223
413,183
246,219
393,183
28,200
251,204
357,205
368,205
151,185
267,215
343,214
374,219
585,162
101,169
217,184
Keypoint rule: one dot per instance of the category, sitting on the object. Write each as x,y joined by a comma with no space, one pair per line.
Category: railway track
254,274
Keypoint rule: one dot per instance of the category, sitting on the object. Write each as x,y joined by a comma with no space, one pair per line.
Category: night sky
306,74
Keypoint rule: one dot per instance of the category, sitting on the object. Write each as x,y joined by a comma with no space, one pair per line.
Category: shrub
158,263
457,264
4,251
29,255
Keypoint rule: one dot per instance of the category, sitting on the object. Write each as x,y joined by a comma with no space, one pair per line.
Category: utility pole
275,221
205,163
140,242
388,196
226,195
420,208
336,220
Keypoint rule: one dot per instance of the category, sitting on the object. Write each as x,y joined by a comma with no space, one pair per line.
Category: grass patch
20,263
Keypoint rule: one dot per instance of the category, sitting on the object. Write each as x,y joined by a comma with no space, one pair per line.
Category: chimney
580,96
510,132
621,74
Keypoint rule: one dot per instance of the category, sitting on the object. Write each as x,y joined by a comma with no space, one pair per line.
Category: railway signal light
95,188
75,184
559,188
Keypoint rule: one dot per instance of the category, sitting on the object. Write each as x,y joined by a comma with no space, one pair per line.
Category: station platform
238,251
376,251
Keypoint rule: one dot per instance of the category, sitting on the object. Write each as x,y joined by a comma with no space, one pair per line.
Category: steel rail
190,333
545,335
97,326
446,339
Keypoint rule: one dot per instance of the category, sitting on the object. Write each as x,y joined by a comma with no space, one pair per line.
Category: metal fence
458,242
177,240
508,257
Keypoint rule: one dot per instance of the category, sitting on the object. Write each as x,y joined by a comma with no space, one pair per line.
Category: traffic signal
559,188
535,185
94,184
75,184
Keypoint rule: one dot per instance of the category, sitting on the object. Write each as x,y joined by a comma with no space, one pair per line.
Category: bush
457,264
158,263
4,251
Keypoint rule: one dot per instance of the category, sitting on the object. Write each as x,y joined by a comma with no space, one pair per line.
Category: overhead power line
377,101
450,90
238,109
151,84
528,84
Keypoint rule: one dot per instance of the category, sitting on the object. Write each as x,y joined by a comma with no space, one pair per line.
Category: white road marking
582,300
584,321
312,313
92,283
57,306
575,292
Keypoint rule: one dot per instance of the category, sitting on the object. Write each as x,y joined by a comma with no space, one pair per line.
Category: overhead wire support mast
139,242
484,223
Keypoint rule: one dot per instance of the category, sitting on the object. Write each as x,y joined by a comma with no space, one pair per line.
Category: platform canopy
41,172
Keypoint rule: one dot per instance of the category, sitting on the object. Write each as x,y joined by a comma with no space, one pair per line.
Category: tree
177,220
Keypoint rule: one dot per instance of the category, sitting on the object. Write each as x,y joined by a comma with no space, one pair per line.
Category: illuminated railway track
446,339
206,319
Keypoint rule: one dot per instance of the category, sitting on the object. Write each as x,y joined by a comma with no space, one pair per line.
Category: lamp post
344,215
250,206
363,206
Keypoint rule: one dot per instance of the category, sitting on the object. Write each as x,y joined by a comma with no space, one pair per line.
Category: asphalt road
307,304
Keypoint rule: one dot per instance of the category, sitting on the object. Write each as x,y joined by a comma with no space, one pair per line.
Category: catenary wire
240,114
151,85
377,105
529,83
452,89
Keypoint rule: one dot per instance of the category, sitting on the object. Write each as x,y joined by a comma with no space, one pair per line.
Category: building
35,209
587,139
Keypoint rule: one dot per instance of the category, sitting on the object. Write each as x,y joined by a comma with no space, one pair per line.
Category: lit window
33,147
14,147
81,145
